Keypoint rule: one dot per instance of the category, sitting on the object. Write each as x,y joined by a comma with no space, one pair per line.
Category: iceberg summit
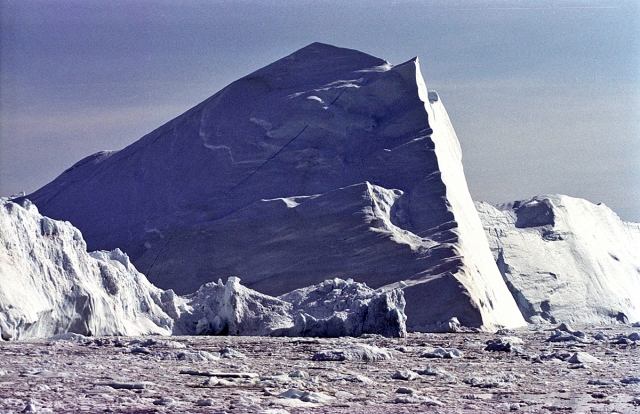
326,164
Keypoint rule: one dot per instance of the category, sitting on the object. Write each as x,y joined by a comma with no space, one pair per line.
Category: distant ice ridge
328,163
565,259
50,285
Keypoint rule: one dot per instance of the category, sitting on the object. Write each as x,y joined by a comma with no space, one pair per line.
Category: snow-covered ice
338,307
566,259
51,285
332,308
328,163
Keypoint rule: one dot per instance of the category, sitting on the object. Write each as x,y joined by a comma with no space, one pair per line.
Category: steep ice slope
477,274
49,284
327,163
566,259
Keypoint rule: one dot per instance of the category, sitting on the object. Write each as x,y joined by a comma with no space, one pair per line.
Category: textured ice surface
566,259
332,308
353,352
236,310
328,163
337,307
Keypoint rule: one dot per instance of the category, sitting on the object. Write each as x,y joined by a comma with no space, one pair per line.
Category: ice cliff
329,163
50,285
565,259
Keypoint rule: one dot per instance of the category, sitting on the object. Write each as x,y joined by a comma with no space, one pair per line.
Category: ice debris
405,375
447,353
504,344
583,358
306,396
353,352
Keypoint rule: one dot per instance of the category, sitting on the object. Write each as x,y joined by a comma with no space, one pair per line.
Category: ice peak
315,64
320,47
326,51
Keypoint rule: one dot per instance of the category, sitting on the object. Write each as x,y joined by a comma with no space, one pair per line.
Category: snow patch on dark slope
566,259
328,163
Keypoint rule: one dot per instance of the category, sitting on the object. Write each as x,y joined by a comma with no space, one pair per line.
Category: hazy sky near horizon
544,95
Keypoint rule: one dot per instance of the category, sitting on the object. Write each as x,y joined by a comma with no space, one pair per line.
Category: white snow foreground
566,260
50,285
328,163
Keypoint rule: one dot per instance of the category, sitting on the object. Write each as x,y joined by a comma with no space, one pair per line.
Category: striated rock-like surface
328,163
566,259
49,284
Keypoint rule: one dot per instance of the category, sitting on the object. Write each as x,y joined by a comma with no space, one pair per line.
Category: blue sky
544,95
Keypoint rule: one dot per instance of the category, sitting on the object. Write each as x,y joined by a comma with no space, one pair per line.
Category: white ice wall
566,259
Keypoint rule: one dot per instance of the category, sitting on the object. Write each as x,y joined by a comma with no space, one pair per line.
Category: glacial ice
365,152
337,308
233,309
565,259
50,285
333,308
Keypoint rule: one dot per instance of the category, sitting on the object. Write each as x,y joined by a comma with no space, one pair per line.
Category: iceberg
328,163
50,285
566,259
333,308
